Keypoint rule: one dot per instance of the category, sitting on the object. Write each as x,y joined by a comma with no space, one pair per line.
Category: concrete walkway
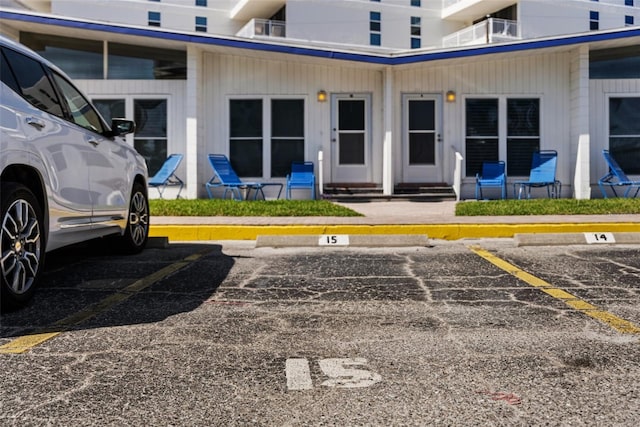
436,219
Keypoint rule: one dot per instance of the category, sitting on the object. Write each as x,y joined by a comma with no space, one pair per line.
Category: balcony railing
492,30
263,28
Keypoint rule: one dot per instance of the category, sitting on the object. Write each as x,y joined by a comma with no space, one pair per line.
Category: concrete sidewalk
435,219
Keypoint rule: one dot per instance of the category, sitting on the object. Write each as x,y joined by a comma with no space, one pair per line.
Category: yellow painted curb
433,231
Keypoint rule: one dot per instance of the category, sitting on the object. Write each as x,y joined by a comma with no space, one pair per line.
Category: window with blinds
482,133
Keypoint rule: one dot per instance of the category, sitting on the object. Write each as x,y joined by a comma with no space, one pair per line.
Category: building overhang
23,21
247,9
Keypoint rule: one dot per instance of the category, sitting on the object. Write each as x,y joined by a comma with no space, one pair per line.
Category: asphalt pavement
437,220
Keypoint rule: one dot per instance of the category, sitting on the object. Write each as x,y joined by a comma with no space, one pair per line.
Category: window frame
267,133
503,135
630,170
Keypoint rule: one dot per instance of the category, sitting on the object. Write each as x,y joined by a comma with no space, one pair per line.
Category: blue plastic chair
301,177
166,176
543,175
224,176
616,178
493,176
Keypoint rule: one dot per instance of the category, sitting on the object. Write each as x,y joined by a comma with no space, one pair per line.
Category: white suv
66,176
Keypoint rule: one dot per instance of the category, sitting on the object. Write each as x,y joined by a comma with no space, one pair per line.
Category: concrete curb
434,231
594,238
358,240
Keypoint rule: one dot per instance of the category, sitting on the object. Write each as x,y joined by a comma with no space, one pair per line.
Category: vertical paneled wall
229,76
546,76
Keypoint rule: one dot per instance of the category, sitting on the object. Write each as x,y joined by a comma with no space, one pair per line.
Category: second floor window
416,32
628,20
375,28
594,20
154,19
201,3
415,3
201,24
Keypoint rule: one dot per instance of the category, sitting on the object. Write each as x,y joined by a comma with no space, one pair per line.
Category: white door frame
424,173
350,173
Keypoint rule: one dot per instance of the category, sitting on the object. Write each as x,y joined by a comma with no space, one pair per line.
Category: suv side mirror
122,126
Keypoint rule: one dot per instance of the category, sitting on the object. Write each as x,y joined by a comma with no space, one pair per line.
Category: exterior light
451,96
322,96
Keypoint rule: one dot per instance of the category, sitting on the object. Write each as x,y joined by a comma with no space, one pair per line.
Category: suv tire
22,245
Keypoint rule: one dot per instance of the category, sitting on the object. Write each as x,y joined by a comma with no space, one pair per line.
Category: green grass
548,207
217,207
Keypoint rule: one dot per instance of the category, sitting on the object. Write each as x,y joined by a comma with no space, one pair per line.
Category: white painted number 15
340,372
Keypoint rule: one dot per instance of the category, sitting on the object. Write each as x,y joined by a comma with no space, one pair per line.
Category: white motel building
378,94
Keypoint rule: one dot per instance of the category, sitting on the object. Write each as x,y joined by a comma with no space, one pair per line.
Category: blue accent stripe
382,59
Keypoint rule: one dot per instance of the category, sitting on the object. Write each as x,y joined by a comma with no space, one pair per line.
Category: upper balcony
247,9
263,28
491,30
470,10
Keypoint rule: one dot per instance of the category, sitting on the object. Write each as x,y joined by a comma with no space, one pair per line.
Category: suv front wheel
136,234
22,245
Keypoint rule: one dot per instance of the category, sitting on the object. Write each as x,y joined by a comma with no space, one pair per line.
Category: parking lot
223,333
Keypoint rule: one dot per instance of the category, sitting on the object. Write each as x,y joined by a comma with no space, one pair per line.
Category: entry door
421,139
351,138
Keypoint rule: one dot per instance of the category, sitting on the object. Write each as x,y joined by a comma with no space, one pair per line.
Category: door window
351,132
422,132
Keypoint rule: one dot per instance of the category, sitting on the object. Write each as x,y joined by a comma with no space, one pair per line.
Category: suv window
35,86
81,111
6,75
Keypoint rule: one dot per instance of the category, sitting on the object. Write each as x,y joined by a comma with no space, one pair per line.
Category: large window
624,132
85,59
265,136
79,58
523,134
616,63
502,128
246,136
287,135
482,133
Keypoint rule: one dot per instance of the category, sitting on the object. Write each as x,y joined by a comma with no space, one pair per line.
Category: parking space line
27,342
617,323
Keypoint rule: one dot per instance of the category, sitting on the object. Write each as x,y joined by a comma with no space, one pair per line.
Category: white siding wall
177,15
544,76
230,76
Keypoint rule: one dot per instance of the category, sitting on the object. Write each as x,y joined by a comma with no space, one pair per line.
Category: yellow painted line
617,323
433,231
26,343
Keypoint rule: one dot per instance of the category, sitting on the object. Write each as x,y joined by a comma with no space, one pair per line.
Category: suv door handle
36,123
